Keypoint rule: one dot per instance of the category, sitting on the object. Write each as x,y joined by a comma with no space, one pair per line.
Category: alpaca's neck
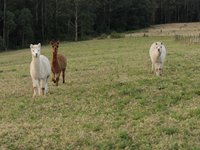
55,66
36,65
158,58
55,59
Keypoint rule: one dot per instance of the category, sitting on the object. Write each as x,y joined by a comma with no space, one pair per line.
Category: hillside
188,29
110,100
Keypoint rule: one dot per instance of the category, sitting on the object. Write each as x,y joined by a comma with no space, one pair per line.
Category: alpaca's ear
31,46
51,42
39,45
58,42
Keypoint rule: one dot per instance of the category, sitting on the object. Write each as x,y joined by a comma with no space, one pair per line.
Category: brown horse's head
55,45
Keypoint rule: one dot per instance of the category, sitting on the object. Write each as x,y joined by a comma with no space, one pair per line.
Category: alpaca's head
158,46
55,45
35,50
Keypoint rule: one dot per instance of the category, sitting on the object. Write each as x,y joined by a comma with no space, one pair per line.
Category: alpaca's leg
35,87
63,75
46,86
57,78
42,86
43,90
152,68
53,78
35,91
39,89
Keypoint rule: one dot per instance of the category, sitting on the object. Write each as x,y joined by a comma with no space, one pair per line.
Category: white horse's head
35,50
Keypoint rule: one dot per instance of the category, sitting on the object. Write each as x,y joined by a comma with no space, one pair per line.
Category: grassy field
111,100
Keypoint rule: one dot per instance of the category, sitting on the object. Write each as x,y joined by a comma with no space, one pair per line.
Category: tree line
28,21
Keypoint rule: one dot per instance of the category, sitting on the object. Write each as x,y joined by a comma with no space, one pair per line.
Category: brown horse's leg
63,75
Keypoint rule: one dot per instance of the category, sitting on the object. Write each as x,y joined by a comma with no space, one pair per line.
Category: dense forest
29,21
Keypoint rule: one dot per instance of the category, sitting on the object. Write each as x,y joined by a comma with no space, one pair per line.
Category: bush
102,36
115,35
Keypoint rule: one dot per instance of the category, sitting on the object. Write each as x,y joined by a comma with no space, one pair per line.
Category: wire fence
188,38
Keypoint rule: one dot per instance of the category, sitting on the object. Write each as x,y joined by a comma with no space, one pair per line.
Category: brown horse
58,63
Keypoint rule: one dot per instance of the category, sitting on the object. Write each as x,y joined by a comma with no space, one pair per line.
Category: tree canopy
28,21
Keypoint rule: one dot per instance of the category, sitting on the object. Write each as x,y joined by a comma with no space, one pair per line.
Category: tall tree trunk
198,11
161,11
45,20
36,13
186,9
23,39
4,26
68,27
104,18
7,38
76,20
109,16
42,12
56,17
178,15
153,17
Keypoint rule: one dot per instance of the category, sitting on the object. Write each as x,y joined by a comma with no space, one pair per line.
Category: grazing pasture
110,100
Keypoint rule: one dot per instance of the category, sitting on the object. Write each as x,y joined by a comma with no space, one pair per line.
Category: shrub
85,38
102,36
115,35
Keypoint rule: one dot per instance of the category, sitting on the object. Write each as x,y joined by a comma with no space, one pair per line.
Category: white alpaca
157,54
40,70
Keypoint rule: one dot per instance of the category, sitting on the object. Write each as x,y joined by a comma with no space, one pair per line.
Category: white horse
157,54
40,70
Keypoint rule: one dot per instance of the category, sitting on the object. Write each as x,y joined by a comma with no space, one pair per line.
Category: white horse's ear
39,45
31,45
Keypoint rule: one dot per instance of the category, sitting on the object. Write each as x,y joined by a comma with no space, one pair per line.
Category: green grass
110,100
